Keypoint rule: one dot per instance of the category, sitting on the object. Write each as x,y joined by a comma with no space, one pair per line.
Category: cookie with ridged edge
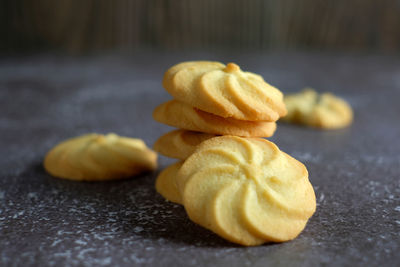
180,144
325,111
181,115
166,183
226,91
96,157
246,190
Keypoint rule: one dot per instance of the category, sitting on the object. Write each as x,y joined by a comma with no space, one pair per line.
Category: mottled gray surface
46,221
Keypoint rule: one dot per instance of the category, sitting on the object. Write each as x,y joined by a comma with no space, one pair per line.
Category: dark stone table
46,221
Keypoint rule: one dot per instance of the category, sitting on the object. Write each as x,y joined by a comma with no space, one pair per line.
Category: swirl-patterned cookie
96,157
246,190
166,183
324,111
181,115
225,91
180,144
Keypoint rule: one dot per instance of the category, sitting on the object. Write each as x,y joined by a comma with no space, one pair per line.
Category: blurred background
92,26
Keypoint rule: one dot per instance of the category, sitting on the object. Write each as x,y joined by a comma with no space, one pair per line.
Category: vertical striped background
93,25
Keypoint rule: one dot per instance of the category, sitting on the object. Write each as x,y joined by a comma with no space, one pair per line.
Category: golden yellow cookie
96,157
166,183
225,91
246,190
180,144
322,111
181,115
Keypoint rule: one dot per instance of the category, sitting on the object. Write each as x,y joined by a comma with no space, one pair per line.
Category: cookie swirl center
231,67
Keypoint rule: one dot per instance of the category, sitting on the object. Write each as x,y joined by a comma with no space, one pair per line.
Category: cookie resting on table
166,183
325,111
96,157
246,190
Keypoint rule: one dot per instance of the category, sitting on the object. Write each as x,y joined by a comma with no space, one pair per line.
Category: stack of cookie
212,99
226,170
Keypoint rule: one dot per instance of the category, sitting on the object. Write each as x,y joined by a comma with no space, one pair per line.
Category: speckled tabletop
46,221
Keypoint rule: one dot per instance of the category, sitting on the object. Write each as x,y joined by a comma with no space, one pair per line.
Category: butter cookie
96,157
225,91
180,144
325,111
246,190
166,183
181,115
